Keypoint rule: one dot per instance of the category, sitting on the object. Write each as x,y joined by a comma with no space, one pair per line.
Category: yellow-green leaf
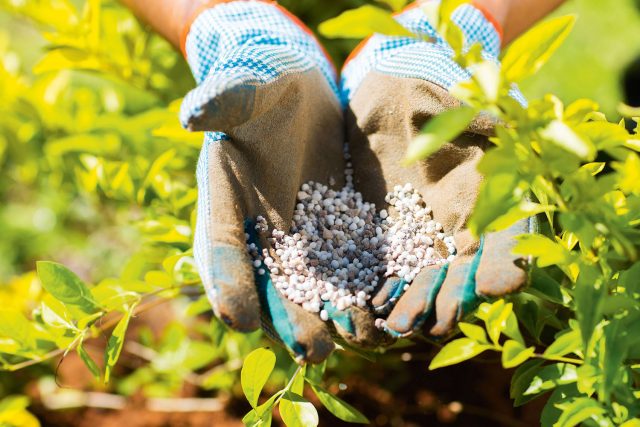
457,351
531,51
362,22
438,131
256,369
297,412
65,286
474,332
546,250
562,135
115,343
339,407
514,354
564,344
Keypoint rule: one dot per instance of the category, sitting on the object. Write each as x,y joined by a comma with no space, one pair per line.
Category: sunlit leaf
115,343
474,332
339,407
438,131
297,412
65,286
577,411
457,351
565,137
256,369
514,354
547,251
564,344
531,51
88,361
362,22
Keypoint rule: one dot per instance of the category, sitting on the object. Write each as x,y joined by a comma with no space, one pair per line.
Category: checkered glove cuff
252,35
415,58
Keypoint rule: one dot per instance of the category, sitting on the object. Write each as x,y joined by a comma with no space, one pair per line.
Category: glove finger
389,292
231,289
233,94
356,326
500,272
222,101
219,247
415,306
457,295
302,332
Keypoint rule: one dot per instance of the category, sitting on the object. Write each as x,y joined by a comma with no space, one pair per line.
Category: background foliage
98,176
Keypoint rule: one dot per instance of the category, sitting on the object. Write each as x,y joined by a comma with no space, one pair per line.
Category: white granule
339,247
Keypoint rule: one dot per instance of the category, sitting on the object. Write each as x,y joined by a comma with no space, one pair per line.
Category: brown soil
395,391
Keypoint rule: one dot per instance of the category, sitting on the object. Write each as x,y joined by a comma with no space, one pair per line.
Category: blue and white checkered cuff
219,36
417,58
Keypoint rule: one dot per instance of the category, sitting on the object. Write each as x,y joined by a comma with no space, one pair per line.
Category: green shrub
90,132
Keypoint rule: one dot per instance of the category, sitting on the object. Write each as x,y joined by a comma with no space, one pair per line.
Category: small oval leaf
457,351
256,369
297,412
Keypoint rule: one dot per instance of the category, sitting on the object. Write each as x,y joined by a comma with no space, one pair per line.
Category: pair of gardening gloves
275,117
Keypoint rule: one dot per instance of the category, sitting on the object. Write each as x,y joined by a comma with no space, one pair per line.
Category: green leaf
67,58
65,286
521,379
88,361
525,209
496,319
395,5
253,419
495,200
550,376
474,332
297,412
14,325
589,294
544,286
546,250
551,411
514,354
261,416
115,343
562,135
530,52
198,307
297,386
438,131
566,343
511,328
314,373
457,351
256,369
579,410
339,407
362,22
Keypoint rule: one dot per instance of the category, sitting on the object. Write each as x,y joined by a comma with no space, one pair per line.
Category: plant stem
288,386
103,328
559,359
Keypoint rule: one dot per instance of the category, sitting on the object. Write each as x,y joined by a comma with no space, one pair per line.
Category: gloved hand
393,86
269,90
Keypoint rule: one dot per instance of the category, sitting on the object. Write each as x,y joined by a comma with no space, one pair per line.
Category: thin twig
104,327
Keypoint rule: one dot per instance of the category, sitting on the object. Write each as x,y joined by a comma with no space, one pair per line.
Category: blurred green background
40,224
97,174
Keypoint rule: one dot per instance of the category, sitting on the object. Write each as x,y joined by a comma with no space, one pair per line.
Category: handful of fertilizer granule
340,247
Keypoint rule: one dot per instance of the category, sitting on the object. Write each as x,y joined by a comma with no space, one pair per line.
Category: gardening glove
268,90
393,86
